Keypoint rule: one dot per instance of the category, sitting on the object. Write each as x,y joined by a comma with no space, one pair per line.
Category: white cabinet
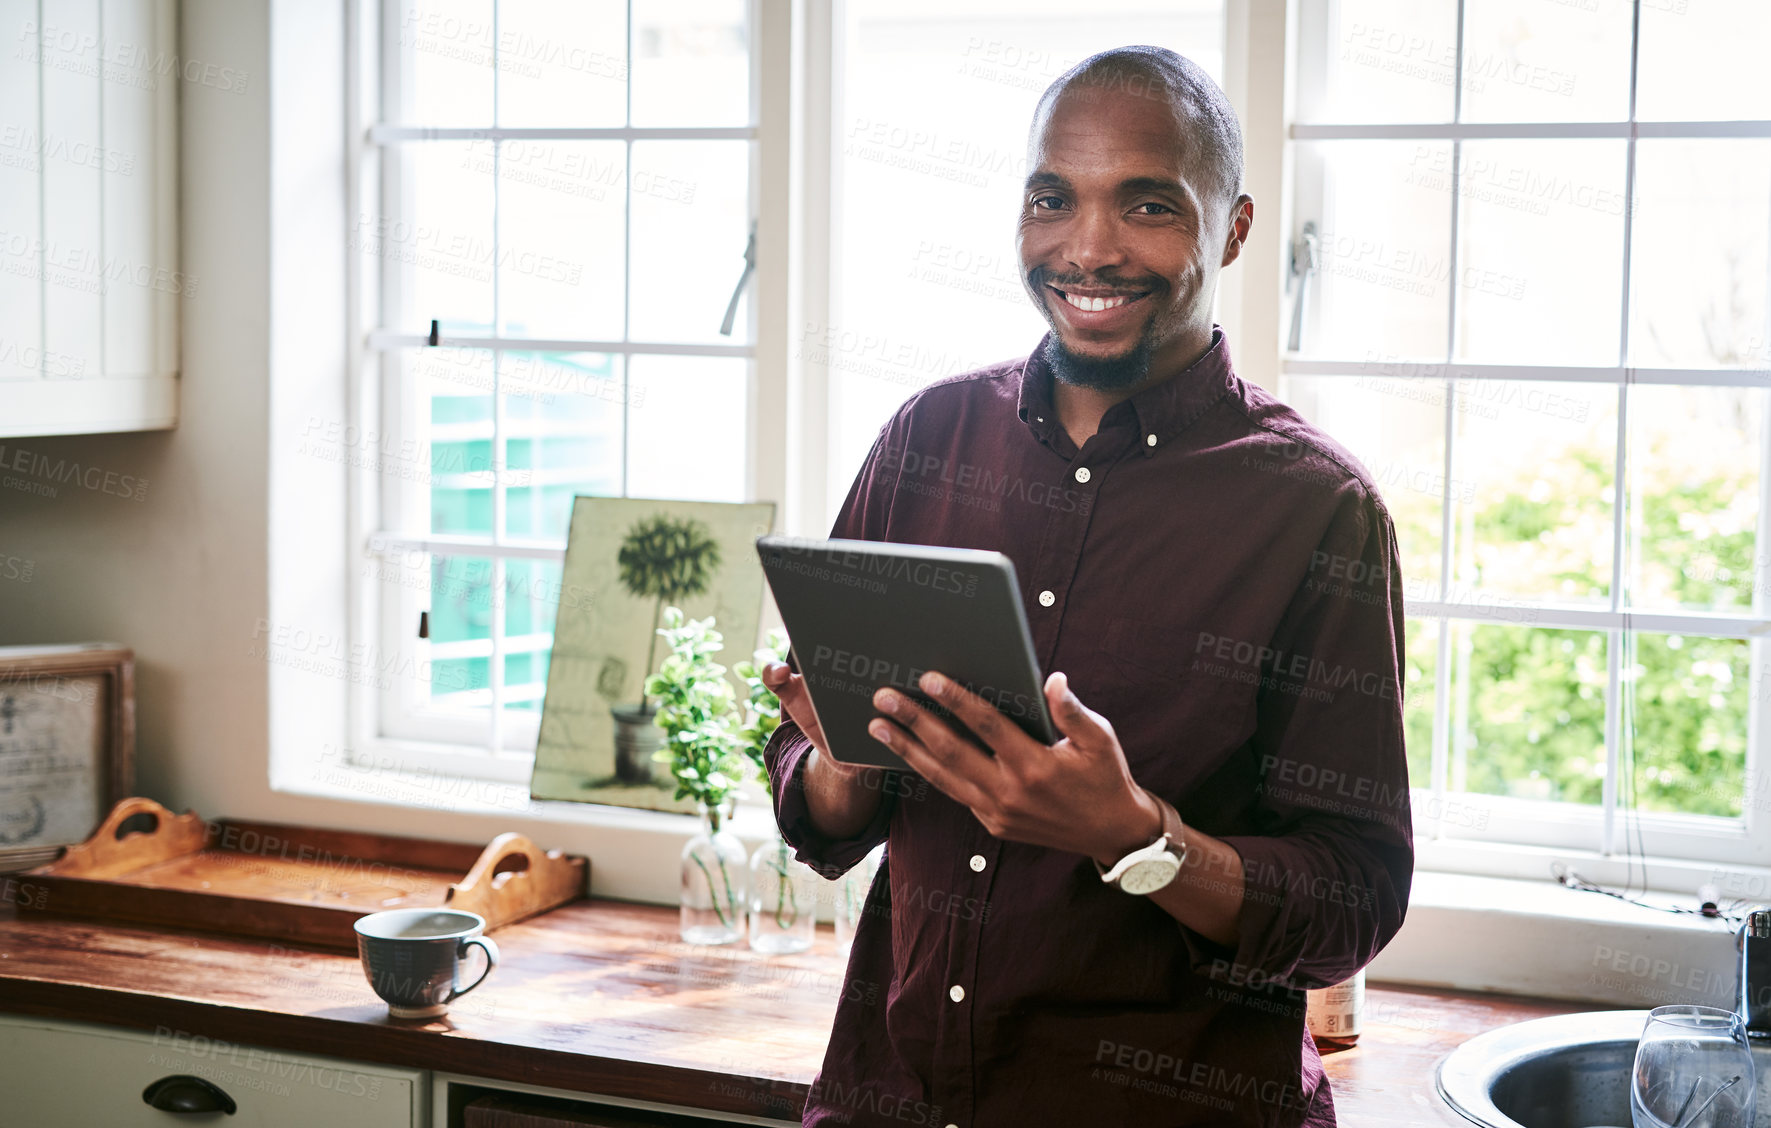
89,280
71,1075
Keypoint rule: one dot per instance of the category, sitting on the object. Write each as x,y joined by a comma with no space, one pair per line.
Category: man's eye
1049,203
1161,209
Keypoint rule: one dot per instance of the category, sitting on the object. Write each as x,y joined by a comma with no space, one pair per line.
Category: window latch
1305,258
725,327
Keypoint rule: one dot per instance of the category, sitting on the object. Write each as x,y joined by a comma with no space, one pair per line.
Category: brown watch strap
1172,826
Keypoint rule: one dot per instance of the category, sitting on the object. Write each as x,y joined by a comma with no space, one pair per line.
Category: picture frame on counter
67,745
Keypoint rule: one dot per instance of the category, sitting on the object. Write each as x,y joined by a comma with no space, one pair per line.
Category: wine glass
1693,1070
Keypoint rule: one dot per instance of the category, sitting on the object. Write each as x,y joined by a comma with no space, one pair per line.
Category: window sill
1538,938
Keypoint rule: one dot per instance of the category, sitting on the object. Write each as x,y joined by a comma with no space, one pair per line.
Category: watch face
1149,876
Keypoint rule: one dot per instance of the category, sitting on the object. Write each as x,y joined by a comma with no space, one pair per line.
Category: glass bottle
851,897
783,899
1332,1014
713,894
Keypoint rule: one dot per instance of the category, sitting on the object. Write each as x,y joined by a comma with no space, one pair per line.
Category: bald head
1203,112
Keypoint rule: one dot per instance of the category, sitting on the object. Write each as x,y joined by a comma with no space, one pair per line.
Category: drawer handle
182,1092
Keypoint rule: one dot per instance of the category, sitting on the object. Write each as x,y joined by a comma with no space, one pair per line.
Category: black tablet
864,614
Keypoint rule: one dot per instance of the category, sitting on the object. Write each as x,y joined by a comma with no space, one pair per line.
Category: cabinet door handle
182,1093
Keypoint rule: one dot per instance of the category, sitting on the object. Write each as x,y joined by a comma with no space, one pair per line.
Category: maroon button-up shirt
1219,579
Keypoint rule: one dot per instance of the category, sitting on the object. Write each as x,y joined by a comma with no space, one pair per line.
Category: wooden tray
291,883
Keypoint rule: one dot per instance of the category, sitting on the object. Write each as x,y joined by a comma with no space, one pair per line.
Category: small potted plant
697,712
662,558
783,891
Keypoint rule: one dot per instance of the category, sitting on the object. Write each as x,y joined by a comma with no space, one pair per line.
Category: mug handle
491,951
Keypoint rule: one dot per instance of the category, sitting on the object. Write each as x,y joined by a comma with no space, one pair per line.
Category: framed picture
626,560
67,745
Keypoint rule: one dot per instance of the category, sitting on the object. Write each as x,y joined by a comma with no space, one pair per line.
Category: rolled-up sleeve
864,515
1326,881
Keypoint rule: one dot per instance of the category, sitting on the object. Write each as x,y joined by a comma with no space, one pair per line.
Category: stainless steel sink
1570,1071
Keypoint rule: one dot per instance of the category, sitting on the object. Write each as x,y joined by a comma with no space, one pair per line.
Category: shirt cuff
1270,932
786,755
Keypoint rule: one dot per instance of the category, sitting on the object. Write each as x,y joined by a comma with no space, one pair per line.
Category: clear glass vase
713,889
783,899
851,897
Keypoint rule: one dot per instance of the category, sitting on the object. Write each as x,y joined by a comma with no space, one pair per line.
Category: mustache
1040,276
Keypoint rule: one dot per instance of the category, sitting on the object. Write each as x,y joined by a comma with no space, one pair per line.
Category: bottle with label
1332,1014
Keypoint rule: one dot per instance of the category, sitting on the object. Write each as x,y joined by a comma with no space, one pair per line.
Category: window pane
1421,650
1396,427
560,238
532,597
686,435
562,64
446,64
1529,713
462,589
1695,455
458,455
562,413
438,242
1690,708
1545,60
1532,517
936,98
1703,60
691,63
1700,287
1378,60
691,221
1383,217
1540,255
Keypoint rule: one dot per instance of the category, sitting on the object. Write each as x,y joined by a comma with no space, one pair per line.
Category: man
1213,584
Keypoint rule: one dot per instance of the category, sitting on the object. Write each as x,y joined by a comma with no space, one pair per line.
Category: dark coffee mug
412,957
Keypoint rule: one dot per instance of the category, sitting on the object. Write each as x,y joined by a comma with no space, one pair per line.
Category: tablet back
865,614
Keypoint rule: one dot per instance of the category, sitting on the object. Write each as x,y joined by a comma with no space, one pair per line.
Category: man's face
1119,236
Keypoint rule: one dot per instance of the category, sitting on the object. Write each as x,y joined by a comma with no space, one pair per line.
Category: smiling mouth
1098,303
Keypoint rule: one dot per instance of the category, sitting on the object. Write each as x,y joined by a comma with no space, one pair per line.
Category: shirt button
978,863
1046,599
956,993
1150,440
1082,473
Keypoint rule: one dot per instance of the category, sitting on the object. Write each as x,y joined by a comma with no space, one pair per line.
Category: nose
1092,240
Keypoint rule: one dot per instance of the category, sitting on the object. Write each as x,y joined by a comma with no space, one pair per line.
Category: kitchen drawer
73,1075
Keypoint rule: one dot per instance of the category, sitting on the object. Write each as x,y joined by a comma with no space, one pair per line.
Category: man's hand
837,796
1075,795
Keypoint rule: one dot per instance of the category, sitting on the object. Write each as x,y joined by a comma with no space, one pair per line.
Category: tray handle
513,879
104,854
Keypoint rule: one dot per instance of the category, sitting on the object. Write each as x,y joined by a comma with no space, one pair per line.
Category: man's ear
1241,220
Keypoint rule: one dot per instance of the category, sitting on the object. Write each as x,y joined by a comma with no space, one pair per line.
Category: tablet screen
865,614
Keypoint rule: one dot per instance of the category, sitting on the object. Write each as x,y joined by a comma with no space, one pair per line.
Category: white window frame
1521,838
389,726
799,45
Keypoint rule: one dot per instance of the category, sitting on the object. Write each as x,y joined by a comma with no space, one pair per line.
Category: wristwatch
1149,868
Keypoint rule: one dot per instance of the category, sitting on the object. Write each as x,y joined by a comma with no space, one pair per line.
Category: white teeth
1094,305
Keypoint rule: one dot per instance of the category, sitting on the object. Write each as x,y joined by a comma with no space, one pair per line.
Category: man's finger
999,733
1086,728
934,751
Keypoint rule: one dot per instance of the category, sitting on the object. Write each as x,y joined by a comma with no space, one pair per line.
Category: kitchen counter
600,997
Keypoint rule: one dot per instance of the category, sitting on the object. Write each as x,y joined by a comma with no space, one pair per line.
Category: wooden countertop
601,997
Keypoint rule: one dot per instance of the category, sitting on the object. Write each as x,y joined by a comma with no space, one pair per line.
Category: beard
1107,374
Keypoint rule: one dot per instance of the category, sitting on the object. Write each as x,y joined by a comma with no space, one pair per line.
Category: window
1537,309
935,100
554,221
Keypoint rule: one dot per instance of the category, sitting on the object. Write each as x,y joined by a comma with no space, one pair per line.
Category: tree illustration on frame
665,558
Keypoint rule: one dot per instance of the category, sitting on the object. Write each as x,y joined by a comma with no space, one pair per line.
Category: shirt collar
1164,410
